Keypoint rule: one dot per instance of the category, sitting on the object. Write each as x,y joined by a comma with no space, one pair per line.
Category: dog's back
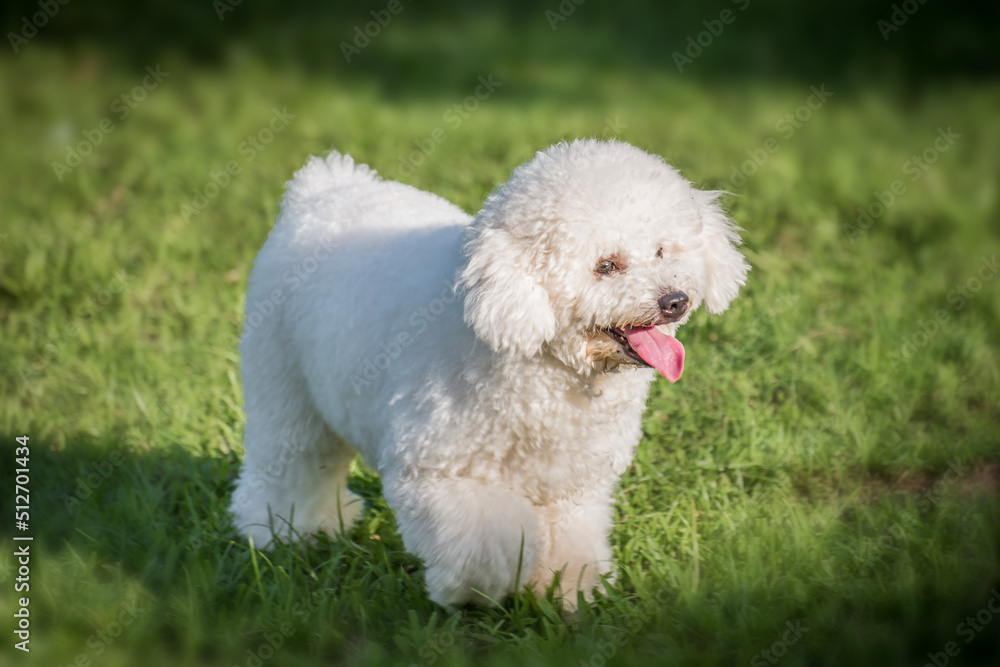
356,273
341,196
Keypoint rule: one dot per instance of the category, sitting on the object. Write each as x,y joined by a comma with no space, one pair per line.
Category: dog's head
596,252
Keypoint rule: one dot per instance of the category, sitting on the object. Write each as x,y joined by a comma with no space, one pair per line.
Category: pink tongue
662,352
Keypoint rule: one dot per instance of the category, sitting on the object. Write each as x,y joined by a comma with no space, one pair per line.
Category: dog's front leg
479,542
575,533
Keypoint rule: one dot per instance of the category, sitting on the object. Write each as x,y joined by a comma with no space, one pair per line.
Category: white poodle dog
492,369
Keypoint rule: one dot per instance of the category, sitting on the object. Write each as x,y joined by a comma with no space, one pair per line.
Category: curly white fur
468,360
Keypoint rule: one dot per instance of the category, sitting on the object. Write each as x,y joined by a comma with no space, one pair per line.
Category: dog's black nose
674,305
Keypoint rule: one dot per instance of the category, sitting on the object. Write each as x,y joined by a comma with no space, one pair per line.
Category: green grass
798,473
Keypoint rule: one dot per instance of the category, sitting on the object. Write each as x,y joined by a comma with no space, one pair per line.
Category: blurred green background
440,42
804,469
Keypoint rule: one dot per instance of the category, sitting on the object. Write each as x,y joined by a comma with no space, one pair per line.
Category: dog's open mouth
651,347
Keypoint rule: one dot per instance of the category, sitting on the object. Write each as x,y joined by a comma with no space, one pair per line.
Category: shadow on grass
160,518
101,495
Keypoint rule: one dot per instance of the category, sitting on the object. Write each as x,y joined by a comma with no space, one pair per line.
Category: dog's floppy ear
725,267
504,303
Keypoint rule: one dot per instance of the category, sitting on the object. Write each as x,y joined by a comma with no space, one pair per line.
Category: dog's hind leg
295,468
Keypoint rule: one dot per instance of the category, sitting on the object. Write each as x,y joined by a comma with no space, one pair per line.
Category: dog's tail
321,174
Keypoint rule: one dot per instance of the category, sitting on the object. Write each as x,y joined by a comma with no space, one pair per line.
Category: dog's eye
605,266
659,253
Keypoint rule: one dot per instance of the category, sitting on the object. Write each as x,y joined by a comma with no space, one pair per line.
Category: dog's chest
554,445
